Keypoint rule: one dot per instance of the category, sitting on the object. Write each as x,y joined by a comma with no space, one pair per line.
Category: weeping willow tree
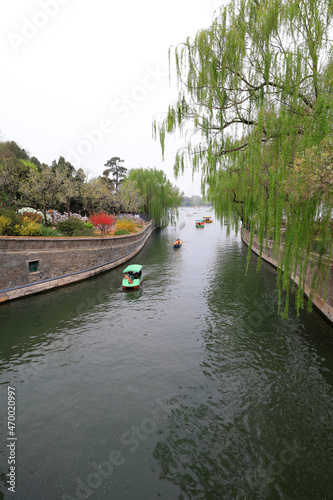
159,196
255,111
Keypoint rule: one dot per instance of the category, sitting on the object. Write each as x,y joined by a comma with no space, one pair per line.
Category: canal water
191,388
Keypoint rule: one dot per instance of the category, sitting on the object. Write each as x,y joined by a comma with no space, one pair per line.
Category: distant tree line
194,201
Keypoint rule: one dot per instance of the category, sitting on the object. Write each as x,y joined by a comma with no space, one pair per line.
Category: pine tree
118,172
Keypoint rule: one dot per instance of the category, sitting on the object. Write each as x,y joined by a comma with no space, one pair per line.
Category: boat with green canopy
199,223
133,277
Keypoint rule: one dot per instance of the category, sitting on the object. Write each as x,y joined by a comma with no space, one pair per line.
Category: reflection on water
133,294
261,426
192,387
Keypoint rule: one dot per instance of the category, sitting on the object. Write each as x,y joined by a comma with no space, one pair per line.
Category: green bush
70,225
121,232
48,231
85,231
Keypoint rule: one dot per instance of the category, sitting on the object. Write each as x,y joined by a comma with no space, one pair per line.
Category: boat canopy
133,268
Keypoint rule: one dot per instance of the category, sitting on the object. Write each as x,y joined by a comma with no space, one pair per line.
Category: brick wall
33,264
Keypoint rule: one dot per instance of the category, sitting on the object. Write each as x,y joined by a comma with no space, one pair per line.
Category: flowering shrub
27,210
133,218
9,219
33,217
56,216
102,221
128,225
28,228
4,225
52,216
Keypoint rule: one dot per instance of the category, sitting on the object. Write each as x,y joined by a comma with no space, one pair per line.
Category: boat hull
131,286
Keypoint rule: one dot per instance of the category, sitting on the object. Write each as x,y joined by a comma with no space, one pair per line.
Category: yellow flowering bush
128,225
28,228
4,224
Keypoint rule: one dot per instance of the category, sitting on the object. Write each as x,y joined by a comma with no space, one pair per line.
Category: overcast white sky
83,79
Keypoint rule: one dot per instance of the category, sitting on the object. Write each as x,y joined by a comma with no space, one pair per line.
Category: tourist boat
133,277
208,220
199,223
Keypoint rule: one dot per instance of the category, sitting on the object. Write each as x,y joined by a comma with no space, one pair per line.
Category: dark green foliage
85,231
63,166
17,151
48,231
118,172
70,225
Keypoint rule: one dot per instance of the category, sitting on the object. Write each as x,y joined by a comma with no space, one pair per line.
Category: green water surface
192,387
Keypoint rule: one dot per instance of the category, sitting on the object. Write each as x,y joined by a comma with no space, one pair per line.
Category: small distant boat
208,220
199,223
177,244
133,277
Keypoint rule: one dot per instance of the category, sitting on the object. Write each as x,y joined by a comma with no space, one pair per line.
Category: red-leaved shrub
102,221
33,217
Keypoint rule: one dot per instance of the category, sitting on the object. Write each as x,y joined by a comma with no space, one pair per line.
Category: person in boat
128,278
178,242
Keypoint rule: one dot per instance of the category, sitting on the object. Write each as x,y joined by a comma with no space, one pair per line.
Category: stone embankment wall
326,308
32,265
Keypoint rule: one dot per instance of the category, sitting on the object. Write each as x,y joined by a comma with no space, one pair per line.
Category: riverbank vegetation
256,92
47,200
29,222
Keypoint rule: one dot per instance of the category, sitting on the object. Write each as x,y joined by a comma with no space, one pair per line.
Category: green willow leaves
255,90
159,196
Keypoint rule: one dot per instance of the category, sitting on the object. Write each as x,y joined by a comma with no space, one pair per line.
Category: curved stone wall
325,307
33,264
